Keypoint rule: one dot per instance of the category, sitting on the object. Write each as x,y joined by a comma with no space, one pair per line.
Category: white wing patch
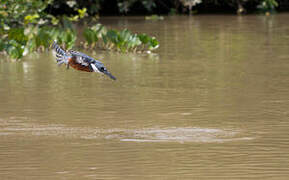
81,61
94,68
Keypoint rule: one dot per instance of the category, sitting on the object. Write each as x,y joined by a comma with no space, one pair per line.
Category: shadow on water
17,127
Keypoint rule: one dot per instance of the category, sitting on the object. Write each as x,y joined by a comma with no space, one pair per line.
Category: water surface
211,103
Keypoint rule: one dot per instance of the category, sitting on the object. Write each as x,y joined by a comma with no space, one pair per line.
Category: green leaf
90,36
18,35
144,38
54,20
153,43
112,36
82,12
15,50
104,38
2,45
30,18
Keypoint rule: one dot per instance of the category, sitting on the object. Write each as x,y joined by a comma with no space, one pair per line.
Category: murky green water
211,104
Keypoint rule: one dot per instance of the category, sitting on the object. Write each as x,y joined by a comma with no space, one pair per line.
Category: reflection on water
211,104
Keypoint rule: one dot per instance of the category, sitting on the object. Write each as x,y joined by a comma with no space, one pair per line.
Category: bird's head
101,69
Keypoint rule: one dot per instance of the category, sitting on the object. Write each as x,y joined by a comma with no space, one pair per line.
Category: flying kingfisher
79,61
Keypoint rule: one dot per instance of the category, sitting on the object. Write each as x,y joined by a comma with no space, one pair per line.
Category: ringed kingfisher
79,61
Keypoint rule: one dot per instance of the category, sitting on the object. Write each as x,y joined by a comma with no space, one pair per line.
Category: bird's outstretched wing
61,55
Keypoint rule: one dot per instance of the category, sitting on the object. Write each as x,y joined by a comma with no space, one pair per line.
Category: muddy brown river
211,103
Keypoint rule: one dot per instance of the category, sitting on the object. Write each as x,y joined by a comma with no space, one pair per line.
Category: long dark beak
109,75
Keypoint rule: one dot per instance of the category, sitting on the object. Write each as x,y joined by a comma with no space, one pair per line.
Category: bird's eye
102,69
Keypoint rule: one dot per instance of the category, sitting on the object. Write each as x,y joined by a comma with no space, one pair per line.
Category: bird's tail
61,55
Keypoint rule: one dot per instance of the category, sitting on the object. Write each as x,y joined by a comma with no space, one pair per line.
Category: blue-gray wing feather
84,59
